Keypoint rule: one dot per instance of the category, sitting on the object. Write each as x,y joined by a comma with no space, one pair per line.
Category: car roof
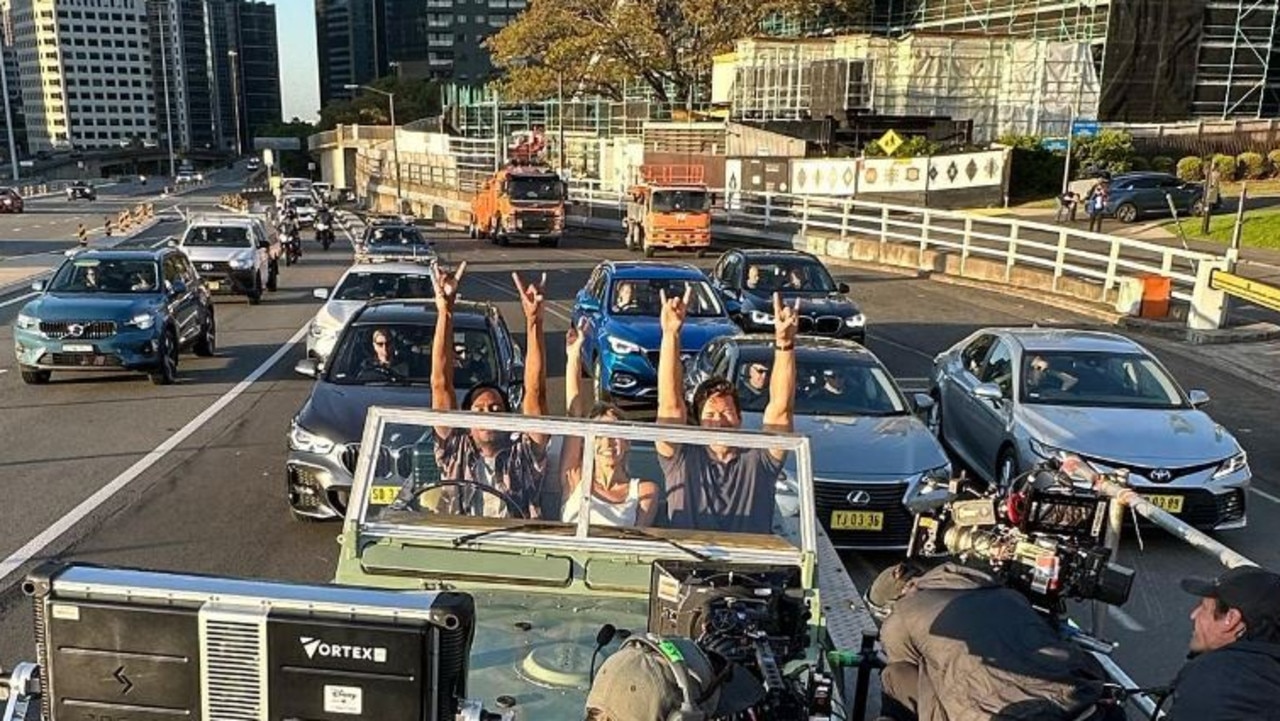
1065,339
129,254
221,220
393,225
775,254
806,346
645,269
466,314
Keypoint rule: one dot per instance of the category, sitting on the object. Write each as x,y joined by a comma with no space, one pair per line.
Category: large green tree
415,99
596,46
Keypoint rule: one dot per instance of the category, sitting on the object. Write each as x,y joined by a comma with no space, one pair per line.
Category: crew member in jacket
960,646
1234,671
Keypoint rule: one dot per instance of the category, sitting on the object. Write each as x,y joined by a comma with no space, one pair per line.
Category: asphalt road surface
191,476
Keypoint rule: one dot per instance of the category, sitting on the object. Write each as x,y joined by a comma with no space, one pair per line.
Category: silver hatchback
1007,398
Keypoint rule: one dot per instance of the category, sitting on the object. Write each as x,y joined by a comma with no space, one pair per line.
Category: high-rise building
349,44
85,68
258,66
188,47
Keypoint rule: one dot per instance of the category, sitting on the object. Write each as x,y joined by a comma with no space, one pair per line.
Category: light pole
8,114
235,94
395,141
168,112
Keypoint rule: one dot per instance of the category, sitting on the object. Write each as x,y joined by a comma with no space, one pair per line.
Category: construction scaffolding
1063,20
1233,73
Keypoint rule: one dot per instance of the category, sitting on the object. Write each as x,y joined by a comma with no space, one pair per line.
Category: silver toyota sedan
1006,398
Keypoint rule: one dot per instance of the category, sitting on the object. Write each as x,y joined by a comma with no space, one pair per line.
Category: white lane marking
901,346
550,307
31,548
19,299
1124,619
1264,494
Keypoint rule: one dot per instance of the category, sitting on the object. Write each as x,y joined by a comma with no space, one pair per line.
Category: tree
416,98
598,45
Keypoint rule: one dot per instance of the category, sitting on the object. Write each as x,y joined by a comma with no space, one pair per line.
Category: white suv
232,253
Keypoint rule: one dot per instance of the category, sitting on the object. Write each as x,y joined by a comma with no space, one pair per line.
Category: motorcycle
292,247
324,233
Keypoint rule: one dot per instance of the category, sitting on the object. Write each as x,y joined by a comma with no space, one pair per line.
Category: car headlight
938,476
1234,464
301,439
856,321
622,347
142,321
761,318
1046,451
26,322
241,263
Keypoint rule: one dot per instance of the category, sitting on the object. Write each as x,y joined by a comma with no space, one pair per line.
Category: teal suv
116,310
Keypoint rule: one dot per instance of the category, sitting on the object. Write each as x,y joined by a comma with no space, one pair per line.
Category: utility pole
235,94
1071,132
564,150
168,111
8,113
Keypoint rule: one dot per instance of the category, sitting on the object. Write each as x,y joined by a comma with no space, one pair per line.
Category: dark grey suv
1133,195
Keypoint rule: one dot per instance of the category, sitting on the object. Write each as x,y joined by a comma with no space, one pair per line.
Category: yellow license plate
383,495
1172,504
857,521
214,285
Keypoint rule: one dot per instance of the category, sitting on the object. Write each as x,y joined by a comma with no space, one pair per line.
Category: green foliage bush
1191,168
1226,166
1139,163
1252,165
1162,164
1273,159
1110,151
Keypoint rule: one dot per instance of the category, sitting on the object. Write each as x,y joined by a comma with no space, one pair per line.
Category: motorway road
198,467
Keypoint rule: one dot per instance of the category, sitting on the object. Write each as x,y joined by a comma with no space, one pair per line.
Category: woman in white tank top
616,498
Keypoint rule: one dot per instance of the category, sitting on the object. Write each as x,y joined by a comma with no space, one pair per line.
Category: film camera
1045,537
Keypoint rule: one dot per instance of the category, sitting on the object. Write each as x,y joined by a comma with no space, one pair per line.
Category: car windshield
826,385
223,236
398,236
672,201
789,275
643,296
424,481
546,187
370,285
400,353
106,275
1101,379
299,200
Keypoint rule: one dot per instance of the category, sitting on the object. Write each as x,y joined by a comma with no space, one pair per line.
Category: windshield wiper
633,532
624,531
518,528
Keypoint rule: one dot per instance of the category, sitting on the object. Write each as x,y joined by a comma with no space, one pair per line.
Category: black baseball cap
1253,591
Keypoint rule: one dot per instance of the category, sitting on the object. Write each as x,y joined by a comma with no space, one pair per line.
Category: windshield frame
367,270
557,196
807,361
1141,358
72,263
703,209
709,290
786,265
247,244
584,539
348,336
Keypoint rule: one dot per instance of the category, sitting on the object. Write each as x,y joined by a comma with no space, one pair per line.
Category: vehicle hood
338,412
1140,437
205,253
865,447
647,332
89,306
811,304
335,313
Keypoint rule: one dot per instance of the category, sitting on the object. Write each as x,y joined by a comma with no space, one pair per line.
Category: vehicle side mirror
922,402
988,392
1198,398
320,294
307,367
171,242
38,286
842,287
177,287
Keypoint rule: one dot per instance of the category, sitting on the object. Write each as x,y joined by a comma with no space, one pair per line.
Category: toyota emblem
858,498
75,330
1161,475
206,266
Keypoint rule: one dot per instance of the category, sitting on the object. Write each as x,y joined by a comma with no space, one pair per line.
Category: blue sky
299,70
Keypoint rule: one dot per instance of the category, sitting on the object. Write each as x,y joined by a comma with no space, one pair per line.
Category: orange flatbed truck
520,202
669,209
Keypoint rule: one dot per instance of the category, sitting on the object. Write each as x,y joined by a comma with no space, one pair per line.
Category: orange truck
670,208
520,202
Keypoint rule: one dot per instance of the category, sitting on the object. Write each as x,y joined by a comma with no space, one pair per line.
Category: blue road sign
1087,128
1056,145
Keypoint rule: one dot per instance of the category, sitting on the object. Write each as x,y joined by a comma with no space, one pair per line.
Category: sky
299,69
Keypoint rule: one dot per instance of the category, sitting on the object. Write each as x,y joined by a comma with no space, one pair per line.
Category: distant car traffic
232,254
115,310
620,306
303,205
395,240
81,189
362,283
750,277
869,449
1133,195
1008,398
10,201
324,437
186,177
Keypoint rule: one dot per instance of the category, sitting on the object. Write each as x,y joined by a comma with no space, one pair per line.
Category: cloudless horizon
299,63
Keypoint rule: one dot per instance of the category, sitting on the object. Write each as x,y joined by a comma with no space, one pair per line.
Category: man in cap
1234,672
650,679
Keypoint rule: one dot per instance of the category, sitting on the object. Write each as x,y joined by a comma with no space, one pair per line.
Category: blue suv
620,306
114,310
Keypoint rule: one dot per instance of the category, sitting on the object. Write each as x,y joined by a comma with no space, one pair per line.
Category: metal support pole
8,114
395,151
560,106
1071,135
235,95
168,111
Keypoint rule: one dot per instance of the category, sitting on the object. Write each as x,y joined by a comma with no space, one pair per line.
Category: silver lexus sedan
1005,398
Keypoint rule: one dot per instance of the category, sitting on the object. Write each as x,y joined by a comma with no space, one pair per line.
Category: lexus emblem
858,498
75,330
1161,475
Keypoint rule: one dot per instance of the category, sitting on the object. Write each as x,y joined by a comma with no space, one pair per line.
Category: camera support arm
20,692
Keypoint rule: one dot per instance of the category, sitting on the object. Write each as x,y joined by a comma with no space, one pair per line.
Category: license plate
77,348
383,495
857,521
214,285
1172,504
534,236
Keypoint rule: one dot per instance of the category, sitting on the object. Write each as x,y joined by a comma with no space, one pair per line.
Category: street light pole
168,111
395,139
8,113
235,94
560,106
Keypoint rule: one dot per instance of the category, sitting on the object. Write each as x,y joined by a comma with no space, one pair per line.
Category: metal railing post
844,219
884,224
804,216
1059,258
924,238
1112,260
1012,255
965,241
768,208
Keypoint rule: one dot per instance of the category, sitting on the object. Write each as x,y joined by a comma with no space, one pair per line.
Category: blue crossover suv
115,310
620,307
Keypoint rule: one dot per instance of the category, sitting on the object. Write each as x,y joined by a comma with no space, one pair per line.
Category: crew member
513,464
960,646
1234,671
721,488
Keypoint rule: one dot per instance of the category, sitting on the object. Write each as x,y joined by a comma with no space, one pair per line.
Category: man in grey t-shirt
721,488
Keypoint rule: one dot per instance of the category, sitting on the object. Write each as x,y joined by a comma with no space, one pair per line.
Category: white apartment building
86,72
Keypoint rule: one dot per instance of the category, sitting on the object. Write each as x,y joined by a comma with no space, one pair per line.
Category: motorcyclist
961,646
1234,671
324,225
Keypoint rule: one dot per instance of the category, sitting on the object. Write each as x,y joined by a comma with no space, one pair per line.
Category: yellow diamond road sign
890,142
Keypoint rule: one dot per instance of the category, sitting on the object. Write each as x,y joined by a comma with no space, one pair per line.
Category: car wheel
273,276
166,373
35,376
473,231
1006,469
549,242
1127,213
207,344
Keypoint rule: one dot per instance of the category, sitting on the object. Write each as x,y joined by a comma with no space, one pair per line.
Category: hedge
1191,168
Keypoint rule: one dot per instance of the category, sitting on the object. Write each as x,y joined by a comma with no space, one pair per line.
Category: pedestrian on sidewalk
1068,203
1097,205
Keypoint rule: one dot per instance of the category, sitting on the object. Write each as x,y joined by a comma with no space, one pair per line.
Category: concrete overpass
110,163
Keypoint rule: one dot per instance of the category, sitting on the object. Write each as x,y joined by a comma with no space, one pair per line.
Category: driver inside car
382,360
